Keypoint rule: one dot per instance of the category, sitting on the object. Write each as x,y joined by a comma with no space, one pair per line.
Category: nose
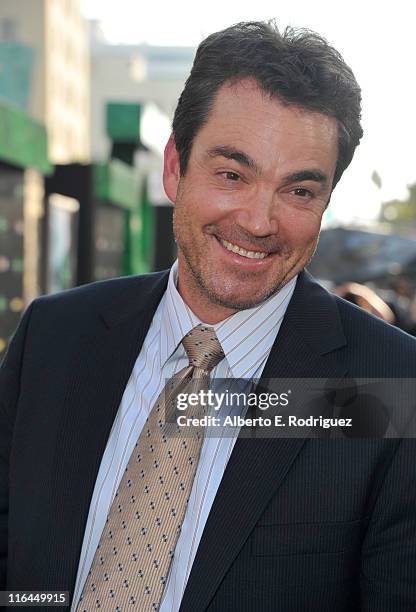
258,215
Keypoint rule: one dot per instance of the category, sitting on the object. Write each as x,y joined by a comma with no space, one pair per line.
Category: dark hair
298,67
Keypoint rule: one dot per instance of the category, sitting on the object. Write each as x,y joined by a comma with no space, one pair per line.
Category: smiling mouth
240,251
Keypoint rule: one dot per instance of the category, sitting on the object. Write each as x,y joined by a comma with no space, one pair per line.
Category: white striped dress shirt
246,338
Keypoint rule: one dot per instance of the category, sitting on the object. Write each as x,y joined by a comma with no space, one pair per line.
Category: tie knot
203,347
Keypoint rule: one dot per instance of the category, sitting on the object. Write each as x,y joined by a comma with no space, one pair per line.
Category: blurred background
87,94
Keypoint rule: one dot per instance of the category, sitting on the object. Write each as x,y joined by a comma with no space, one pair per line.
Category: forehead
246,117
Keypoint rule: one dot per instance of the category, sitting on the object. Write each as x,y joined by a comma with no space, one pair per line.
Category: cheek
205,207
300,233
190,217
303,226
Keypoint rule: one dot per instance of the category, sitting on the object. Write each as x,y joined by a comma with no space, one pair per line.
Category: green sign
23,141
123,121
118,183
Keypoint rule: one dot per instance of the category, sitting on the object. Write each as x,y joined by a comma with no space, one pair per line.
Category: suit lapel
99,375
305,347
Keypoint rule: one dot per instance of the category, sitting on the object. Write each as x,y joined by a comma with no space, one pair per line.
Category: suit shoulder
371,337
87,300
353,315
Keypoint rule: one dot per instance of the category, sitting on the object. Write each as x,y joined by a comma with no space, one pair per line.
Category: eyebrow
238,156
244,159
307,175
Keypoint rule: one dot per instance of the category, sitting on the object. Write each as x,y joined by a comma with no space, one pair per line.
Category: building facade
57,35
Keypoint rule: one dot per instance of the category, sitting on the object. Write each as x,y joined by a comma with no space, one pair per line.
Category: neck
208,312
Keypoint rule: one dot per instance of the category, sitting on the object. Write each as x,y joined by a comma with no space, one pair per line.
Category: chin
235,300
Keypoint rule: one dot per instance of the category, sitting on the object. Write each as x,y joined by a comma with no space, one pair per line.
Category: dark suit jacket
297,525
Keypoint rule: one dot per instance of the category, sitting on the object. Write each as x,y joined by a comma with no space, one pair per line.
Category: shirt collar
177,319
244,336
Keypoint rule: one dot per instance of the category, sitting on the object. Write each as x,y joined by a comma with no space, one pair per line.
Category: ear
171,173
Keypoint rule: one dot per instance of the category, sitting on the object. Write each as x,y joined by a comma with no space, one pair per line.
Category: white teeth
236,249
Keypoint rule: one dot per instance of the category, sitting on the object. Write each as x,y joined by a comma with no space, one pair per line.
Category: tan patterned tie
136,548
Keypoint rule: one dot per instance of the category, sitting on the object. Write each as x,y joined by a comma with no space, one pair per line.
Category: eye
231,176
302,192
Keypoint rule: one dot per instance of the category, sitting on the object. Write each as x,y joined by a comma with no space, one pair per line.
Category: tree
401,212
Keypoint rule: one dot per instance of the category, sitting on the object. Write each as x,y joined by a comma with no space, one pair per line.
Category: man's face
258,180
